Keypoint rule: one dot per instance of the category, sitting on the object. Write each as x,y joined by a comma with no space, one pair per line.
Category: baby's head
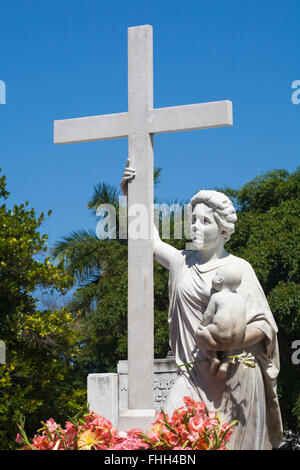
227,276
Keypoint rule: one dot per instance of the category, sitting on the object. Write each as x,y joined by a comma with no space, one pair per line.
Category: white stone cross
139,124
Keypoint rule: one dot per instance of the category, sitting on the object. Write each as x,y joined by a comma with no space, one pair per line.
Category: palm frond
104,194
80,252
156,175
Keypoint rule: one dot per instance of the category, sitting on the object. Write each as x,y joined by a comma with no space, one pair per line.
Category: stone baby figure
225,316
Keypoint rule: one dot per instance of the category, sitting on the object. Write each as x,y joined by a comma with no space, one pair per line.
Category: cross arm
192,116
86,129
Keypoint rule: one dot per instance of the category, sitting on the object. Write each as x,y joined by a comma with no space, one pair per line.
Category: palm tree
85,256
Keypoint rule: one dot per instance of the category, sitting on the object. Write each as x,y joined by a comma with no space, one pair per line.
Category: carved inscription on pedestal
165,374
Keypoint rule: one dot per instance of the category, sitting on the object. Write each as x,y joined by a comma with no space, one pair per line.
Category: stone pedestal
102,395
108,394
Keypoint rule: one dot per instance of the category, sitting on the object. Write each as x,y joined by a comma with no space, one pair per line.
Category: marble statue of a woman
247,394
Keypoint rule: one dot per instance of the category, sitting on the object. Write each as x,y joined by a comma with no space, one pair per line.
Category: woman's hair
224,212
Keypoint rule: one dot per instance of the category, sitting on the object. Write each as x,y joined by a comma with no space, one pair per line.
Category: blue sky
64,59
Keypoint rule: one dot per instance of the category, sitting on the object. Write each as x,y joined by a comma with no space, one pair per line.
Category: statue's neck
211,255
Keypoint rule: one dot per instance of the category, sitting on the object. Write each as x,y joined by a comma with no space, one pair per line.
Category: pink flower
134,432
40,442
89,418
100,421
52,425
182,448
196,423
70,431
153,437
191,427
130,440
192,437
224,427
160,418
130,444
122,435
183,432
189,403
178,416
212,419
193,405
171,438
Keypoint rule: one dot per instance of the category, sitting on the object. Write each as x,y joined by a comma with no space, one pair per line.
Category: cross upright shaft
140,256
139,124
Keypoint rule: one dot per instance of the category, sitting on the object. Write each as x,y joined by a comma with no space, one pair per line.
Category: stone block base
108,394
136,419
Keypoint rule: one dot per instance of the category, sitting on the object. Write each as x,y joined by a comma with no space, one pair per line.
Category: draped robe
248,394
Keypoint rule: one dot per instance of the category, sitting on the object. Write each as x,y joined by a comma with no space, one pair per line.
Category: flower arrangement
190,428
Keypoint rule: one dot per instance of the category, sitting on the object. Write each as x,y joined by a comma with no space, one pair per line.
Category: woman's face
205,231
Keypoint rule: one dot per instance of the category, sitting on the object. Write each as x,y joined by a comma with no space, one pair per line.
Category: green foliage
37,380
268,236
267,190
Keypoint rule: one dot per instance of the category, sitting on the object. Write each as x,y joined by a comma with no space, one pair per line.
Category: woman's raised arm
163,252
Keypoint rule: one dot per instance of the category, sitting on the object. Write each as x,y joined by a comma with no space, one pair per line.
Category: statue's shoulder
178,257
244,265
